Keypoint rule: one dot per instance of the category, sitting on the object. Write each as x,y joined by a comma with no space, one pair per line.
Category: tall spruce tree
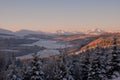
13,72
85,65
101,60
61,70
34,71
114,70
97,71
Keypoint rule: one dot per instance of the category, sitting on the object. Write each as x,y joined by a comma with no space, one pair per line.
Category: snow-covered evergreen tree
99,63
67,66
75,67
97,71
114,64
85,65
13,72
61,69
34,71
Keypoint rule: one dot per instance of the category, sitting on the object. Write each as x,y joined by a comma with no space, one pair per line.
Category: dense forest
93,64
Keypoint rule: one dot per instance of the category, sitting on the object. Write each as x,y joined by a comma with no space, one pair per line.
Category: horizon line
58,30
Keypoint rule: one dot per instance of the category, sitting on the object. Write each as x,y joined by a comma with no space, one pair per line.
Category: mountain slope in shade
2,35
95,31
4,31
27,32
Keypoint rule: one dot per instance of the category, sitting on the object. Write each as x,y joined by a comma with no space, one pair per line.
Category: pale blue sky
51,15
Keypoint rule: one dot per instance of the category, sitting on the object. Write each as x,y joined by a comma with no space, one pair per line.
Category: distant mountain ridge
20,32
58,32
5,31
27,32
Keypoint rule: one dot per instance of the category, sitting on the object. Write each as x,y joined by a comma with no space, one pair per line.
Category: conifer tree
114,70
34,71
13,72
97,71
85,65
61,70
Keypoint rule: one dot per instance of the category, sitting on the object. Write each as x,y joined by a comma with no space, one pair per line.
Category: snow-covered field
49,44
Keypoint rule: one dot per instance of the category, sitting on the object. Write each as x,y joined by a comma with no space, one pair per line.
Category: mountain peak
95,31
62,32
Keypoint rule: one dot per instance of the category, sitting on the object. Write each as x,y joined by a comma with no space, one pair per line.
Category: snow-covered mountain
4,31
95,31
62,32
58,32
20,32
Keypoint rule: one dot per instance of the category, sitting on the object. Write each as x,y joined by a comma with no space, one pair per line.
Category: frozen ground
49,44
44,53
